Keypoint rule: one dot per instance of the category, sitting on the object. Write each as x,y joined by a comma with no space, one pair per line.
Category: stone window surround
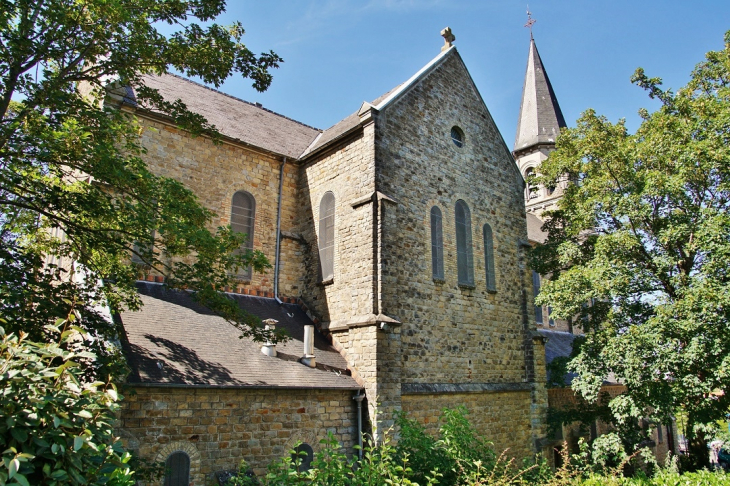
464,246
186,447
327,220
245,274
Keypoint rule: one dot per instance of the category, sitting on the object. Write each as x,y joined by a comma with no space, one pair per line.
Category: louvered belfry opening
327,236
464,256
437,244
177,468
243,216
489,259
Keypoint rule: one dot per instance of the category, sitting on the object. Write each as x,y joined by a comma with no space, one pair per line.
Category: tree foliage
76,197
643,231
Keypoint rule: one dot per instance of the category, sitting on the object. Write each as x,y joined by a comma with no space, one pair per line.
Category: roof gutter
278,232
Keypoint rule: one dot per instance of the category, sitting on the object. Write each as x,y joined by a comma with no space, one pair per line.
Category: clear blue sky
339,53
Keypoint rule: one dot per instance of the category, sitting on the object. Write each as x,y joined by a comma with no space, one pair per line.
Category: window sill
467,286
327,282
491,291
439,281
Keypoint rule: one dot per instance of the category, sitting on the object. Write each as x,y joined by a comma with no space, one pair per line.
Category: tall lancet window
535,291
489,259
437,244
464,256
243,216
327,236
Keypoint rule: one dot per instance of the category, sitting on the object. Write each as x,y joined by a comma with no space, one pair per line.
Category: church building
399,233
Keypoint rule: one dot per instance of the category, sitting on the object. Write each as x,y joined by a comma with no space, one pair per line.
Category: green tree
73,181
643,229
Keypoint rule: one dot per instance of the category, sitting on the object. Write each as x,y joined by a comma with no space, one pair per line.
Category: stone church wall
219,427
502,418
451,333
214,172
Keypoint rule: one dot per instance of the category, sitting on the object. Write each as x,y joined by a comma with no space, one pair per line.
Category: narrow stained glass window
437,244
464,255
243,213
536,290
177,469
489,259
327,236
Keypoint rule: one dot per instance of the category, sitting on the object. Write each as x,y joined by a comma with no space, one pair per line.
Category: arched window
489,259
464,257
302,457
437,244
243,213
531,189
177,469
535,291
327,236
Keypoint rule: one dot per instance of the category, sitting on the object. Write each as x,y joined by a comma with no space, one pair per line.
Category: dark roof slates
174,341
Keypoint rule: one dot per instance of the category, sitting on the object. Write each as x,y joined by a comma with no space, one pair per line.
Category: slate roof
540,116
236,118
173,341
560,344
534,229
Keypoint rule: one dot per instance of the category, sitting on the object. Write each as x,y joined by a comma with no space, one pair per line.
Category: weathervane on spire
530,20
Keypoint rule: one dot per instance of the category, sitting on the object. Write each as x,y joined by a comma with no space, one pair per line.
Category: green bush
56,429
458,457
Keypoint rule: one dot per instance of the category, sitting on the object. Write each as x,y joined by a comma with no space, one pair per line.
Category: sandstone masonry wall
503,418
219,427
214,173
454,334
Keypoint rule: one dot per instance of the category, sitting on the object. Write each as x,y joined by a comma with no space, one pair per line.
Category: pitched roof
534,229
352,121
540,116
236,118
559,344
174,341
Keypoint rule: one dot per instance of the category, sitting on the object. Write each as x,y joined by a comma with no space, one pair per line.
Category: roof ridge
243,101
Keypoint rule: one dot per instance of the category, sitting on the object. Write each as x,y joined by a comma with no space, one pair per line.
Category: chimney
269,348
308,358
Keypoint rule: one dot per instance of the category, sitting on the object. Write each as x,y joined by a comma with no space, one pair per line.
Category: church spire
540,116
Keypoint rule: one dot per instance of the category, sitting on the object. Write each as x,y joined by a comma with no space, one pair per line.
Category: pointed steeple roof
540,116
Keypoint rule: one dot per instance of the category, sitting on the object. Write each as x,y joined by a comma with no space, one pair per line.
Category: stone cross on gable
448,38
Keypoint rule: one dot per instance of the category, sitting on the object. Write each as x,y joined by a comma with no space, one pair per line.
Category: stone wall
219,427
347,171
500,417
214,172
452,333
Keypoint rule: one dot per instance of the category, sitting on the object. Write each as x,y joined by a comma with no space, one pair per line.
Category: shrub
56,429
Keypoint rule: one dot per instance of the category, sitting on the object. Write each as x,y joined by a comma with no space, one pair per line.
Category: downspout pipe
358,398
278,233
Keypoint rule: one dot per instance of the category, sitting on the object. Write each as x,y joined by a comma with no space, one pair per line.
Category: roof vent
269,348
308,358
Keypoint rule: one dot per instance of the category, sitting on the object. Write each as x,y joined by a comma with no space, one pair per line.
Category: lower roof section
173,341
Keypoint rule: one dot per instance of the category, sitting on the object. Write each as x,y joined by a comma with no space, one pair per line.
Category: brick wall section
226,425
214,173
502,417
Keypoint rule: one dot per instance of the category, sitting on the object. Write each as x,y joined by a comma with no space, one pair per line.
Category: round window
457,136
